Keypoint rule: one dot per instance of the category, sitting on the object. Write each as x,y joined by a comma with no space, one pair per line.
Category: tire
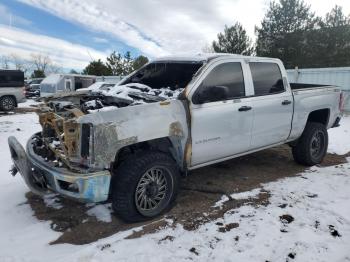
141,177
312,146
7,103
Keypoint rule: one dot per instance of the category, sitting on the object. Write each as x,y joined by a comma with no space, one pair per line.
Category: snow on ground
102,212
340,137
318,202
308,219
28,103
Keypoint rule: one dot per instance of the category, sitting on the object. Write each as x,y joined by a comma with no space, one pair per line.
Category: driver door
221,125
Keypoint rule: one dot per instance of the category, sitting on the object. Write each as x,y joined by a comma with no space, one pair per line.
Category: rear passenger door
272,104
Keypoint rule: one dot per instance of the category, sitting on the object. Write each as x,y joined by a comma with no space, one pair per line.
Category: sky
74,32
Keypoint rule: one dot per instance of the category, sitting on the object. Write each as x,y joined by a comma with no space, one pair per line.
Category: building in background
57,83
338,76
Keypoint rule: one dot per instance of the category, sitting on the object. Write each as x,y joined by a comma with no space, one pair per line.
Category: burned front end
83,131
59,158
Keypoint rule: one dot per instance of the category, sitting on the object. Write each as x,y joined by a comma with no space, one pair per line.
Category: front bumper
84,187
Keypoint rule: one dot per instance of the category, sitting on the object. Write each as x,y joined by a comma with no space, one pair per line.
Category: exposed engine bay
65,142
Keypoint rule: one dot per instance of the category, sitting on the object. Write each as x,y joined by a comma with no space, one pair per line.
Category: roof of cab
205,57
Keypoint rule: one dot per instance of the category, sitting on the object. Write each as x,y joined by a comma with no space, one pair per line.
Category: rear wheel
7,103
144,186
312,146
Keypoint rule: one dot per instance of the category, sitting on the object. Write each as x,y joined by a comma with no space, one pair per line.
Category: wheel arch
319,116
168,145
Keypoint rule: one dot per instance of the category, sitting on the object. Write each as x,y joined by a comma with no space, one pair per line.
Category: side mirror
210,94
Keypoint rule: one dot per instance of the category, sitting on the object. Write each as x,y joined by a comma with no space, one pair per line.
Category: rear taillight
341,102
24,90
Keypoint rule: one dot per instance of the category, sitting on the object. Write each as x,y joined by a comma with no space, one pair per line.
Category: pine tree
233,40
282,31
139,62
120,65
329,44
97,68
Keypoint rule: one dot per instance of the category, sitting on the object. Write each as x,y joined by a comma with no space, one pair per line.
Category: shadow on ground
194,206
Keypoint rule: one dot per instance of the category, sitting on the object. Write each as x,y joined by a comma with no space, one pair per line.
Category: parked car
63,83
32,88
173,115
11,89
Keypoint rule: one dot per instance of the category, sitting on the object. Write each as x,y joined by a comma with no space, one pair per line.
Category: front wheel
144,186
312,146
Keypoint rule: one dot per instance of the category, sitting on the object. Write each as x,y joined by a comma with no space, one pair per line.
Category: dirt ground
199,192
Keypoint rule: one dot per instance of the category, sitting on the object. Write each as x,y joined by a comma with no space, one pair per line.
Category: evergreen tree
336,18
120,65
73,71
139,62
97,68
38,74
282,31
233,40
329,44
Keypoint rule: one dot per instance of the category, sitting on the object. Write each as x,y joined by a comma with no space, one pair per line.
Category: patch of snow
339,137
101,212
125,91
239,196
106,108
29,103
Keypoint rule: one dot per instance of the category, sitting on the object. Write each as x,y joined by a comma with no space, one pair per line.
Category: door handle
286,102
244,108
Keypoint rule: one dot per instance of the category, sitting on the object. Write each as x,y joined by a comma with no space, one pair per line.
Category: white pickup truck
131,142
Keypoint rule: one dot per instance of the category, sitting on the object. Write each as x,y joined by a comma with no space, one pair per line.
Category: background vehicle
11,89
227,106
59,83
32,88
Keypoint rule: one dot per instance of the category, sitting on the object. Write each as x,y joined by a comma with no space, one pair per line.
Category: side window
267,78
227,77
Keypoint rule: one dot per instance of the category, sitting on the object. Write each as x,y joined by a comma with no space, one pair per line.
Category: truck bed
301,86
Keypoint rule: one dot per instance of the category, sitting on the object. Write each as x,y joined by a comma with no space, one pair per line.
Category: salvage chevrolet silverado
132,141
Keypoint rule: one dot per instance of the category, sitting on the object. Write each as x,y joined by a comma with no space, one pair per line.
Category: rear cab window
11,78
229,75
267,78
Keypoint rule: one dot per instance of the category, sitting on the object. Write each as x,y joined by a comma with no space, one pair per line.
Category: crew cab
131,142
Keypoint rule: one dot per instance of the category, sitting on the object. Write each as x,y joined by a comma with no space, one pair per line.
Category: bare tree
41,62
5,62
54,68
20,64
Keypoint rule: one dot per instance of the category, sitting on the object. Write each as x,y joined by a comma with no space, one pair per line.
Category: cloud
100,40
23,43
154,27
6,17
101,20
162,27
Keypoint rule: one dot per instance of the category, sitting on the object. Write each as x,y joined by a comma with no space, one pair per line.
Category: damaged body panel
132,125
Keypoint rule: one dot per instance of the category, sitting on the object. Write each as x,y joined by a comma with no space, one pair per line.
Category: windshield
173,75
